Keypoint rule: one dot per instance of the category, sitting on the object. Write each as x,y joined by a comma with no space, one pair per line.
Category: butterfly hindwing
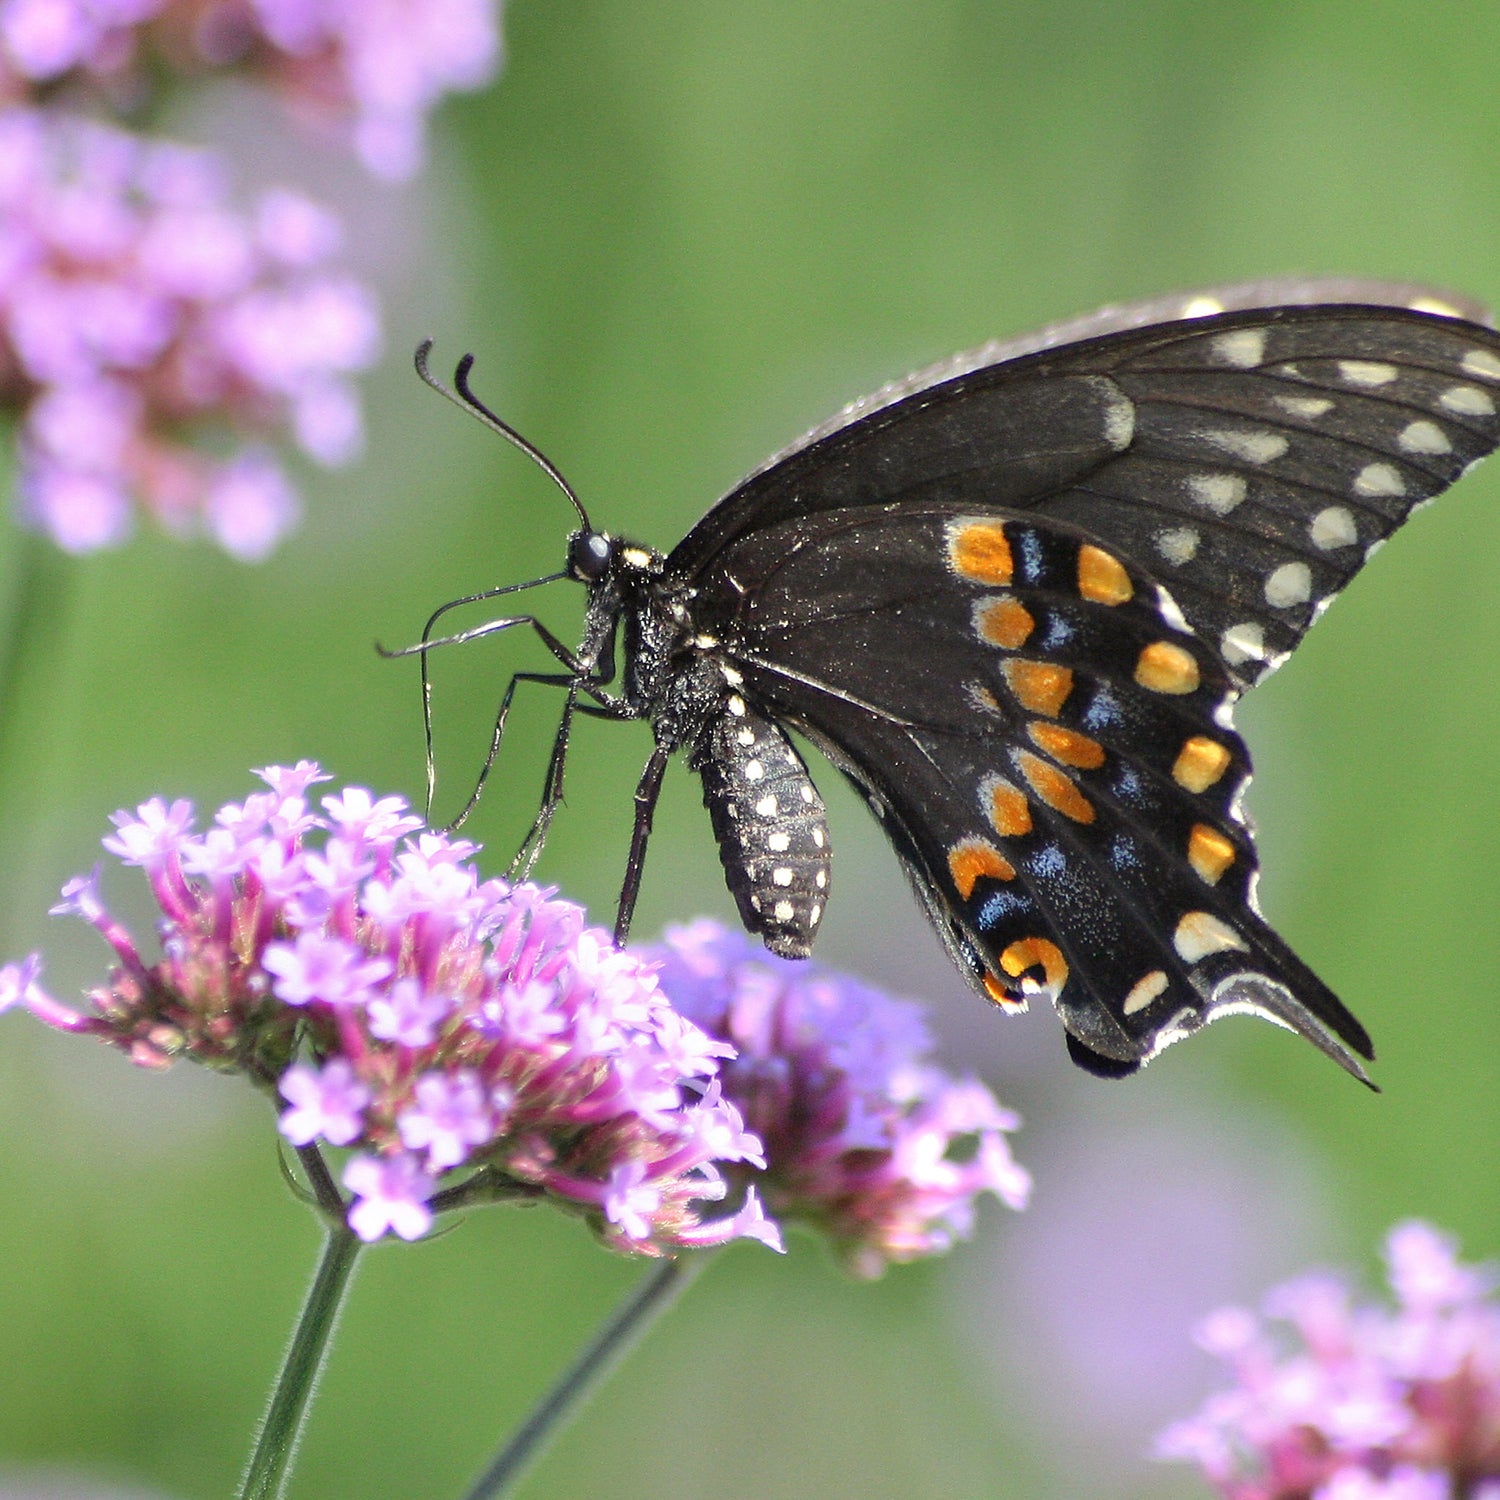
1050,749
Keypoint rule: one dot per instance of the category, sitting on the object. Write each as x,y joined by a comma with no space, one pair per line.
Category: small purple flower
18,981
524,1014
323,969
631,1199
449,1116
864,1138
1365,1402
458,1033
408,1015
391,1194
329,1103
249,505
150,835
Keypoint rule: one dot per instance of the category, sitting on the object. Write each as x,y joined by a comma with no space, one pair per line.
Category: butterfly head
595,557
590,554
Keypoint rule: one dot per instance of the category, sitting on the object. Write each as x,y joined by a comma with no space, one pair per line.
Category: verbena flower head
137,304
372,70
865,1139
1361,1401
467,1039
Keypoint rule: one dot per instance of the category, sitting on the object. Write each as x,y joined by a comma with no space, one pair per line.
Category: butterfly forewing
1269,457
1251,460
1175,307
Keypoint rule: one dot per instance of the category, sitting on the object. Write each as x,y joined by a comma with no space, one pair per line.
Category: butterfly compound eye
588,555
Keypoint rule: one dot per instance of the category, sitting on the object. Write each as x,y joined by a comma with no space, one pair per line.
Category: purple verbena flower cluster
865,1139
135,303
462,1036
1368,1402
370,69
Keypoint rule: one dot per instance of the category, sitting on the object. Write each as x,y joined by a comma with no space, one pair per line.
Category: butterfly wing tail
1282,989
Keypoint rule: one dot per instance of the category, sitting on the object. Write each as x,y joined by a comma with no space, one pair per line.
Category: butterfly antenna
464,397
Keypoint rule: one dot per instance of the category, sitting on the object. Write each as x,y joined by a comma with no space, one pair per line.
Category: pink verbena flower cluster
865,1139
138,305
455,1033
1367,1402
370,70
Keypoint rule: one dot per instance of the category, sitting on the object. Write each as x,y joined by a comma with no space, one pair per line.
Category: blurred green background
675,235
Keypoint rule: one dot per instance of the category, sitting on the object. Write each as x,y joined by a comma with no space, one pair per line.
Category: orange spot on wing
1209,852
1054,788
1034,953
1039,686
970,858
1066,745
1009,813
1003,622
1166,668
1200,763
980,551
1001,994
1101,577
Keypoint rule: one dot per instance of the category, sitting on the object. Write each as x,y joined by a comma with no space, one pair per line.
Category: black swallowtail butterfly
1014,599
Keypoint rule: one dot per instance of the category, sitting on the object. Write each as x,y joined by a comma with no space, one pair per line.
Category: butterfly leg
577,673
646,792
551,679
552,785
604,707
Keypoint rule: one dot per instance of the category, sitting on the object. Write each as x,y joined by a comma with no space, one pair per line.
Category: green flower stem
651,1296
270,1464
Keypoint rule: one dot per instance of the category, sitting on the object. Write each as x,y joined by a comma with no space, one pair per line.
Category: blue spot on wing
1103,711
999,906
1058,633
1029,545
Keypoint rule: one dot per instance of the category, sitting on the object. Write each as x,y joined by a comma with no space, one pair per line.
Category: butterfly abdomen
770,826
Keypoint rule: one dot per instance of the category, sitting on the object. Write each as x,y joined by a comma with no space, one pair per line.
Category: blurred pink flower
1366,1401
368,71
156,338
141,309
